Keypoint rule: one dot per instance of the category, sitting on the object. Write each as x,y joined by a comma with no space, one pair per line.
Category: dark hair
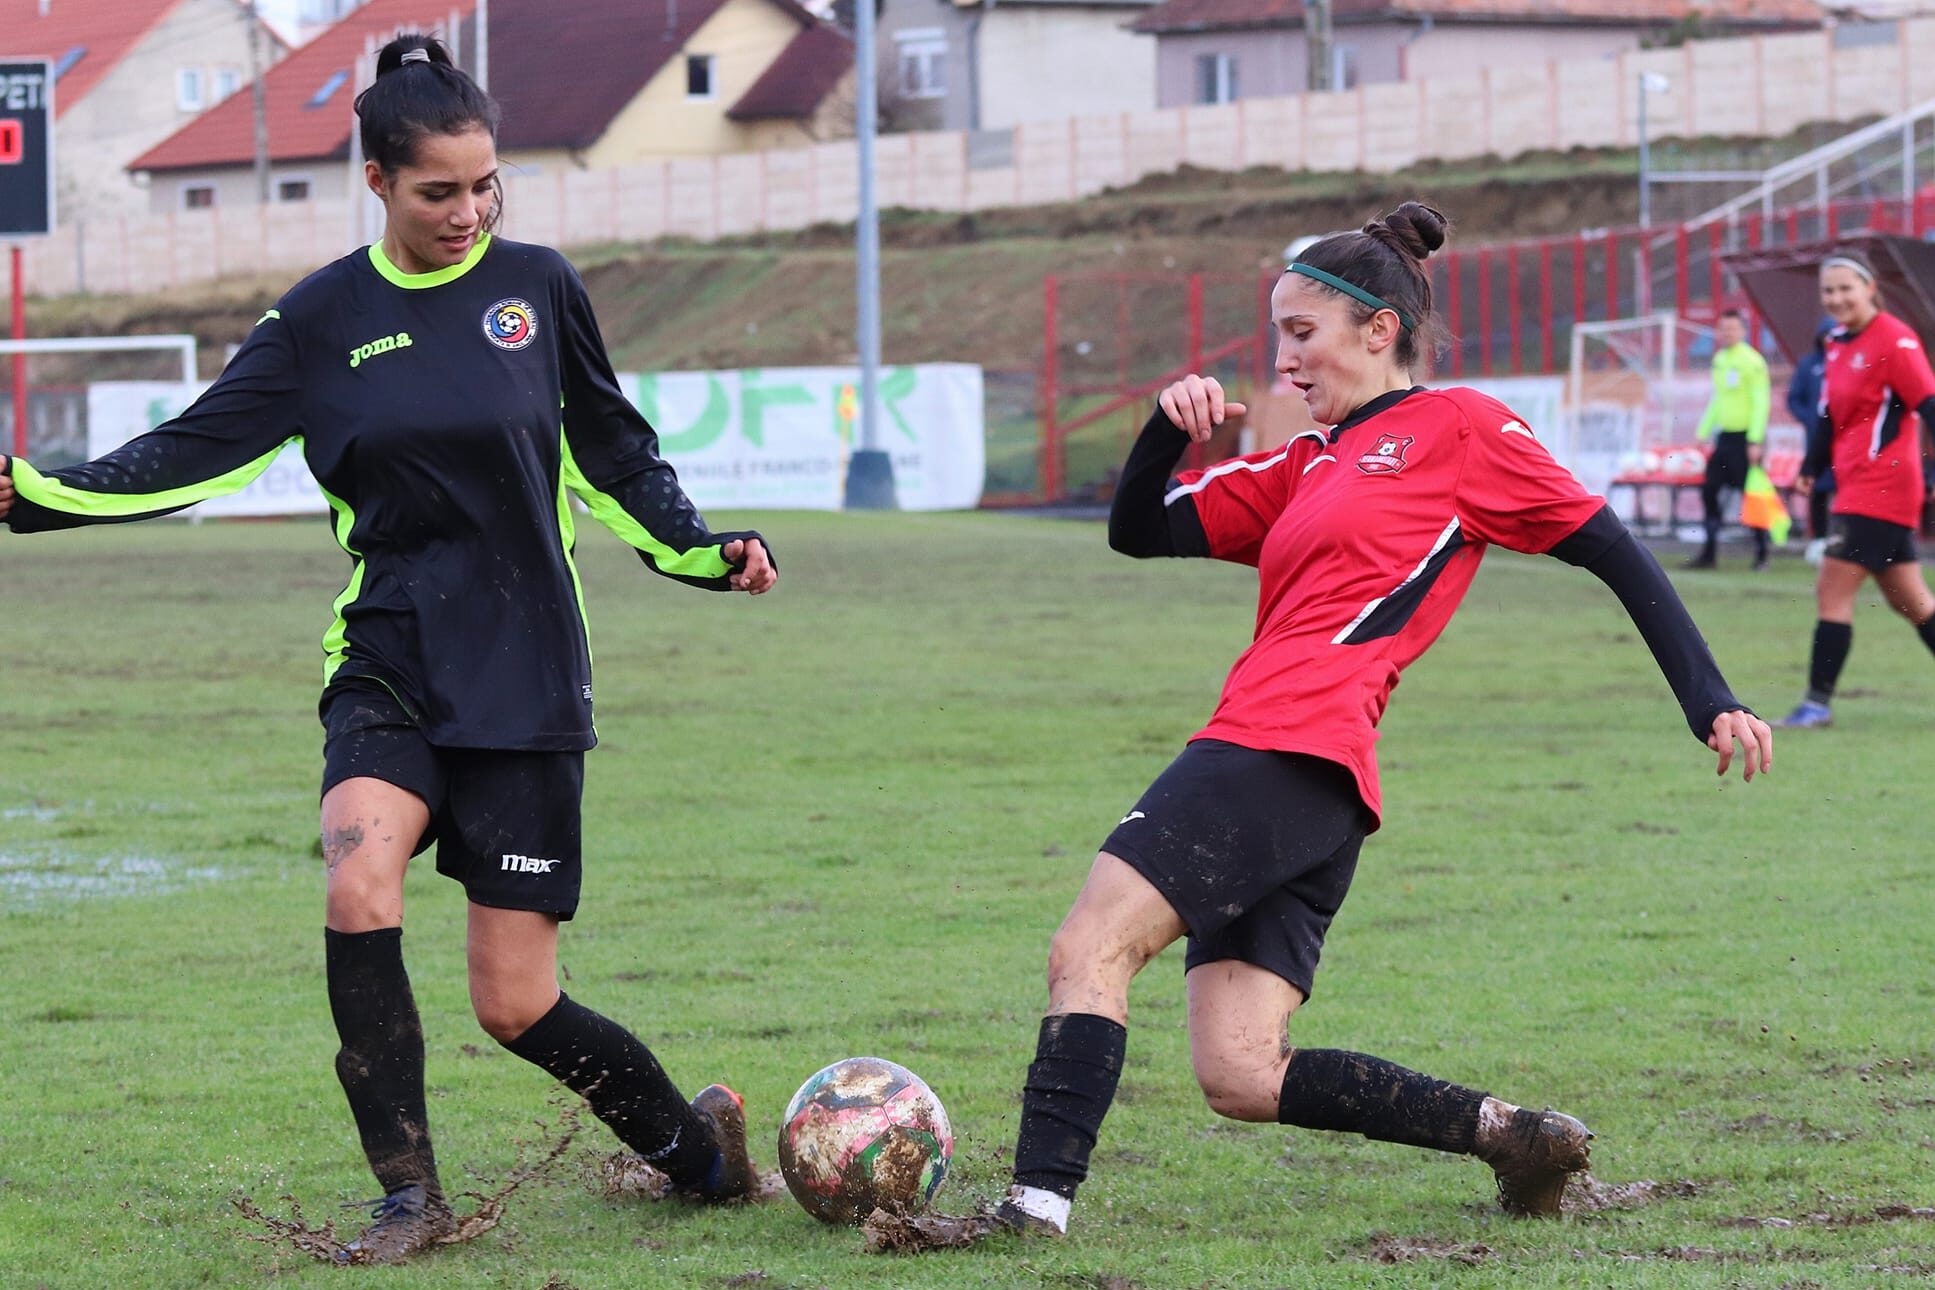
1734,314
1386,258
426,95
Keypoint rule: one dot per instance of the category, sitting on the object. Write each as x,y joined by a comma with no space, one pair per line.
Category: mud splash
322,1243
1588,1195
896,1232
626,1175
1386,1248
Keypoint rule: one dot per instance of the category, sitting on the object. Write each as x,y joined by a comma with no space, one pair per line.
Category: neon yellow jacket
1740,393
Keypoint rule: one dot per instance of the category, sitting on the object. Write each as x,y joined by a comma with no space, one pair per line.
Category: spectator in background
1736,416
1804,404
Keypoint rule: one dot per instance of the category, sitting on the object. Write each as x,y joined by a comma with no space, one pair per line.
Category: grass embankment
846,819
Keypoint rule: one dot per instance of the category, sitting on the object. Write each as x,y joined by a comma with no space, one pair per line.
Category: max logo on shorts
1386,456
527,864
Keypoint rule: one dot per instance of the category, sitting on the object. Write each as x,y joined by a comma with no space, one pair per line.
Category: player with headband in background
450,391
1875,387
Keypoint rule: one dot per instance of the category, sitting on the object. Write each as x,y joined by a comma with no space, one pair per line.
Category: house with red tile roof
127,74
1217,51
584,84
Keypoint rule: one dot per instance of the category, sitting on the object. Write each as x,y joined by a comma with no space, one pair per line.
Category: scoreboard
26,148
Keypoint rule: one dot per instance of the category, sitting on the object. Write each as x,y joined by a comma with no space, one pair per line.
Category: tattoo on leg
338,843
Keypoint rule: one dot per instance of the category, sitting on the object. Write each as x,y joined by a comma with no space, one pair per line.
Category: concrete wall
1051,63
1757,85
133,107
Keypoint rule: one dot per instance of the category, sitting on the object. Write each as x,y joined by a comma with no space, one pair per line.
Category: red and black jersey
1365,539
1872,381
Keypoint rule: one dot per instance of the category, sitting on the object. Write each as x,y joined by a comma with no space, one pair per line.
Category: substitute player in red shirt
1365,537
1875,387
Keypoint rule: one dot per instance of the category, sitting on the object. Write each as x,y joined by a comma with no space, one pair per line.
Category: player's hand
6,485
1754,453
1756,742
1196,404
753,570
1803,485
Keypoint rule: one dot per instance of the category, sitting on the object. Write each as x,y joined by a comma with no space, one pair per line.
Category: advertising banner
771,439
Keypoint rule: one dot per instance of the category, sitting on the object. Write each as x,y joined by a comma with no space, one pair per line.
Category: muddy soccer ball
864,1134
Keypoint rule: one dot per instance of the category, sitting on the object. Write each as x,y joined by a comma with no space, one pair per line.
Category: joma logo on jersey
527,864
382,345
1386,456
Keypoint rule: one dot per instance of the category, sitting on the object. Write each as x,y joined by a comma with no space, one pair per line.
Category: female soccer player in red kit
1875,377
1365,537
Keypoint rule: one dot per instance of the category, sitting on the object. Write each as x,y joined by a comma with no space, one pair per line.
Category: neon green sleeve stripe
336,640
699,562
56,496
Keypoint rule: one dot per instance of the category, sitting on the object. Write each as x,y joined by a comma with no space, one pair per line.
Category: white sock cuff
1044,1205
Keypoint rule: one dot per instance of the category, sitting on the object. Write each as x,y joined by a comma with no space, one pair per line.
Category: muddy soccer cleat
733,1177
1534,1156
1808,716
409,1221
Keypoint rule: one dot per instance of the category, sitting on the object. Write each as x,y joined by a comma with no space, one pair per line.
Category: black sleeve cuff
1140,524
1607,549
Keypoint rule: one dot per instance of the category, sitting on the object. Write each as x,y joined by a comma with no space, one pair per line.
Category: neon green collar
436,277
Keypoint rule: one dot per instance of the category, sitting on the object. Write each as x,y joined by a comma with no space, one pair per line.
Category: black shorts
1254,850
506,823
1871,543
1727,463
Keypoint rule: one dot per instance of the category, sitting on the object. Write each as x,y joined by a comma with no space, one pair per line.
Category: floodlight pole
260,105
870,468
19,359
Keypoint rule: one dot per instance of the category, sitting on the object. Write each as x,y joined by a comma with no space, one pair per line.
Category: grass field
846,818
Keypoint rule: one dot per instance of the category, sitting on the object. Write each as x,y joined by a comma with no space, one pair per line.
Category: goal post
60,428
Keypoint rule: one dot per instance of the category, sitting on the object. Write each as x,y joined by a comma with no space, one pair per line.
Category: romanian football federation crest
1386,456
510,324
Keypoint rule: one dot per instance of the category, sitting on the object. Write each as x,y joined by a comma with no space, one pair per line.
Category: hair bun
397,54
1413,229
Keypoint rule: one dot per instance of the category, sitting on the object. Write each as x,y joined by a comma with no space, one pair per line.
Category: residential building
582,83
127,75
992,64
1218,51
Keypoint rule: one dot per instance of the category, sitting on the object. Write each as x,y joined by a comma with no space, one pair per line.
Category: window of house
188,89
923,62
1215,78
699,76
1343,67
328,88
197,197
67,61
227,81
292,190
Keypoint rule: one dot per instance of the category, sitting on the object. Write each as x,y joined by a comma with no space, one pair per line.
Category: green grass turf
845,819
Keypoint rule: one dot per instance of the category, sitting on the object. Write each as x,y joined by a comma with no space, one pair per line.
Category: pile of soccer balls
864,1134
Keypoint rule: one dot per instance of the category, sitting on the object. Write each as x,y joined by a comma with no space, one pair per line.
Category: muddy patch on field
321,1241
1387,1248
1857,1216
1589,1195
27,880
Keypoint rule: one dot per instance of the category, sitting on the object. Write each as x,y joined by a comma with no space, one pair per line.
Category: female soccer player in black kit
1365,537
424,377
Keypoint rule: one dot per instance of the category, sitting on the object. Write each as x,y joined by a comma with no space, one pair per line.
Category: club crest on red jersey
1386,456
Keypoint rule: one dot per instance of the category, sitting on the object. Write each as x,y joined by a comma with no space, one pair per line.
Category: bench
1684,468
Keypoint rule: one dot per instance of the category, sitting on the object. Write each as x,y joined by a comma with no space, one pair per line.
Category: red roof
104,33
799,79
561,69
304,123
1203,15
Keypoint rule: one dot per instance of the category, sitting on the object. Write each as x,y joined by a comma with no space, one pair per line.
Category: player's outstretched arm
1607,549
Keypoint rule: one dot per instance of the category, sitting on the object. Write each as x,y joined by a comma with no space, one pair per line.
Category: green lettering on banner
702,433
897,384
755,399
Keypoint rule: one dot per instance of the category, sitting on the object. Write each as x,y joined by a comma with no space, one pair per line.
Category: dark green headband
1352,290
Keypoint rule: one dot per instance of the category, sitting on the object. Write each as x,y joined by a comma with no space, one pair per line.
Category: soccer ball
864,1134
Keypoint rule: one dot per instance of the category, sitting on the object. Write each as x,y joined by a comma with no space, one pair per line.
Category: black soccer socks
1078,1060
1927,632
381,1060
1832,643
1328,1088
605,1064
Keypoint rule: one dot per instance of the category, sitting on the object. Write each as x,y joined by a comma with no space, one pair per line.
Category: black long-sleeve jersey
447,416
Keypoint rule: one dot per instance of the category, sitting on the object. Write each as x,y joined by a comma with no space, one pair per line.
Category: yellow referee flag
1762,507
